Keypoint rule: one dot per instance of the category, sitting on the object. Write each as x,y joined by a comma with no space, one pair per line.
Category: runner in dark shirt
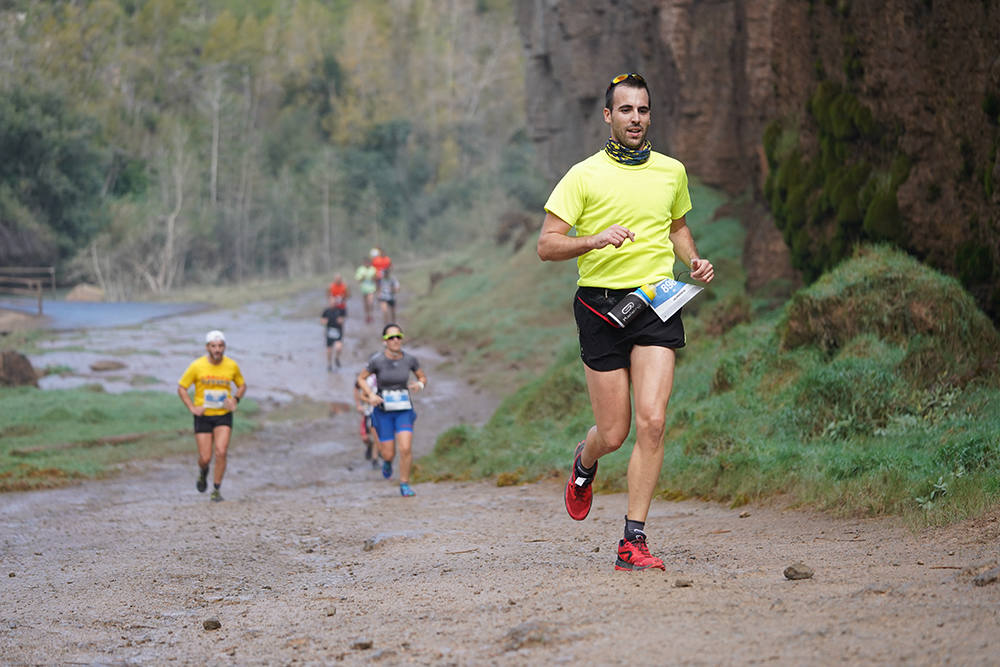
333,322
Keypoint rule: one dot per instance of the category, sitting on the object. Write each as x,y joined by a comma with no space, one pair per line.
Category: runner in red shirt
339,292
380,261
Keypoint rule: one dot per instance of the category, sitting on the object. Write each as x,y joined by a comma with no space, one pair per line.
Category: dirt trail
314,558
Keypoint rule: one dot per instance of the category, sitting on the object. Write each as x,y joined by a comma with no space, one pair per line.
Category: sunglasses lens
394,336
621,77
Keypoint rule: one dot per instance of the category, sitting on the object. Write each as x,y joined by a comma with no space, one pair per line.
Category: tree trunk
215,101
327,225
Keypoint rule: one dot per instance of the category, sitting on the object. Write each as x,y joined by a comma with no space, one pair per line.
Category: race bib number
671,295
333,334
396,399
214,398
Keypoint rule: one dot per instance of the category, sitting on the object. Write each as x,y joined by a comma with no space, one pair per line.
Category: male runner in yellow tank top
213,406
627,204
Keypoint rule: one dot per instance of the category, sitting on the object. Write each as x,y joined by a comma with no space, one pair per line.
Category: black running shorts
207,424
339,335
604,347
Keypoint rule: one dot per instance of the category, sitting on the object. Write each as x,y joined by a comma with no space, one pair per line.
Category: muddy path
314,558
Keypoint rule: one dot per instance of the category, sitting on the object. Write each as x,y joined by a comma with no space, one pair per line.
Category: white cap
373,252
215,335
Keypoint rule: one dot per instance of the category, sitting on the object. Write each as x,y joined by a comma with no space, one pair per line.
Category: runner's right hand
614,235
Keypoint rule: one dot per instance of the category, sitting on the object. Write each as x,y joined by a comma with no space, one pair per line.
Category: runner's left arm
680,235
232,401
421,381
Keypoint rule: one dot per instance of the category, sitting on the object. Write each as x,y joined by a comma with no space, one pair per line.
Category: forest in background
152,144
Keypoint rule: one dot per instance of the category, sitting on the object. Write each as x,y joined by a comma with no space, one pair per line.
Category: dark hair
631,80
386,328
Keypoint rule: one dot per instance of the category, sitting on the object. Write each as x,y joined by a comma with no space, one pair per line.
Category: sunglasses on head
622,77
392,336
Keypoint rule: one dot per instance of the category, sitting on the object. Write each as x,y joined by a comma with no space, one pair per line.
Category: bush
882,219
972,454
847,397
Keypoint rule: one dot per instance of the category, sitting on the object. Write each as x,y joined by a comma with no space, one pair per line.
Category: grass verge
50,437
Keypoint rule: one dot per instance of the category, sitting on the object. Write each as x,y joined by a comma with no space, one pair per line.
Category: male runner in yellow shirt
627,204
213,405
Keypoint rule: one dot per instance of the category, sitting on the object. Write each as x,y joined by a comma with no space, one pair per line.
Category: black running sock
217,486
580,471
204,472
633,529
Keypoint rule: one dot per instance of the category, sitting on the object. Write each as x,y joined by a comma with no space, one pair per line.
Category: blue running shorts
388,424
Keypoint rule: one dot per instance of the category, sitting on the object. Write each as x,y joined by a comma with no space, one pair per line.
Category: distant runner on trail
380,260
365,409
365,275
393,415
339,292
387,288
213,406
627,204
333,318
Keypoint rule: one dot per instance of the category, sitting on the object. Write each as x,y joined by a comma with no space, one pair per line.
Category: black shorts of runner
603,346
330,340
207,424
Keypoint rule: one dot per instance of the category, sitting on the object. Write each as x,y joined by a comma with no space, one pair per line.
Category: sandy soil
13,320
314,558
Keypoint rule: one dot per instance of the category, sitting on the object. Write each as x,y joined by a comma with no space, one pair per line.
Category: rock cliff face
704,68
721,70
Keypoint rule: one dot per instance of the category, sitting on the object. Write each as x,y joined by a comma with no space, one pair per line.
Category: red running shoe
635,555
579,495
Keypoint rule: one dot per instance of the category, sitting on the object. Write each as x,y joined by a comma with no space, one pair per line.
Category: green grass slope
50,436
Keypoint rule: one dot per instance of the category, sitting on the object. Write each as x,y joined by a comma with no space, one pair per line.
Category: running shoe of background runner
216,496
202,482
387,469
634,555
579,495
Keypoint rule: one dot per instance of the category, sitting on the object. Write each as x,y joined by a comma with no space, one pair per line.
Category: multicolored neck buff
627,156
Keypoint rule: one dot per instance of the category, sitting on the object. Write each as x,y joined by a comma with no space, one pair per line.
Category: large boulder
16,370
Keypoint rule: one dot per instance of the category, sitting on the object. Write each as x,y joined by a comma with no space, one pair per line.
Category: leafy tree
52,170
238,138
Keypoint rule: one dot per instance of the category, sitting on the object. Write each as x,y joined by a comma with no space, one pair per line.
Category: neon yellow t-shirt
366,276
645,198
211,382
